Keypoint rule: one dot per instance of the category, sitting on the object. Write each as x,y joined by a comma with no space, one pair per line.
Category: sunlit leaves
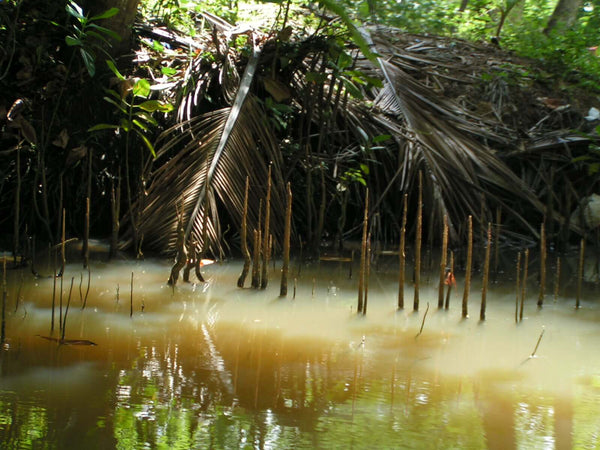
141,88
156,105
89,36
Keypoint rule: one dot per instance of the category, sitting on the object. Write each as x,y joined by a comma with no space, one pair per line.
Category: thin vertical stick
53,294
402,254
418,243
482,218
131,297
88,288
524,283
265,264
295,286
4,295
17,208
64,324
580,271
367,273
542,265
450,280
115,208
80,284
18,296
86,234
518,289
557,279
538,343
363,255
286,243
256,260
465,300
443,261
244,238
257,249
423,322
62,245
497,239
486,272
60,303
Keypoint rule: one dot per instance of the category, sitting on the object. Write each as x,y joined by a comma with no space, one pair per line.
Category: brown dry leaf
62,139
27,130
285,34
75,154
126,86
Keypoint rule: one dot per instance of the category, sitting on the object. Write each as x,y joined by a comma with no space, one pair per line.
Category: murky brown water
214,366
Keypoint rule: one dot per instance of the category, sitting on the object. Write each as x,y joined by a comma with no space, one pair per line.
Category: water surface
209,365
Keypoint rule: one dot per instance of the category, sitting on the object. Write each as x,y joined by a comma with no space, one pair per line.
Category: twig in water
423,323
87,291
538,343
18,297
131,298
64,324
80,291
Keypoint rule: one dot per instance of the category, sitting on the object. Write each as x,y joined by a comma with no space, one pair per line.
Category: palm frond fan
208,160
447,143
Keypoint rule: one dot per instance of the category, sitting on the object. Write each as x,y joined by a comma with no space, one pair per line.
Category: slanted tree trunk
564,15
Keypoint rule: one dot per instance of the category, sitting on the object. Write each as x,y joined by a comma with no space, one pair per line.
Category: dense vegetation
490,100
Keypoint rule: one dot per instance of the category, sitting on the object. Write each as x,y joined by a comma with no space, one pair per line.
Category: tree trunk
120,23
564,15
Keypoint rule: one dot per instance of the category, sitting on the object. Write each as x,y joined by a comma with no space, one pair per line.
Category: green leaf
142,88
118,105
113,68
97,36
157,46
365,169
103,126
126,125
140,124
106,31
168,71
71,41
340,9
344,60
156,105
147,142
146,117
75,10
352,88
381,138
373,81
88,60
106,14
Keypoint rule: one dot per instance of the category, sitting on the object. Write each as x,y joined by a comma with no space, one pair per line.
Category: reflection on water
214,366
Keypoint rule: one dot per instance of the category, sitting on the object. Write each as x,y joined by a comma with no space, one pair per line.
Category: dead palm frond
448,143
206,172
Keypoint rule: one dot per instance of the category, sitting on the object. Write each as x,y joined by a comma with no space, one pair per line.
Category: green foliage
88,35
135,110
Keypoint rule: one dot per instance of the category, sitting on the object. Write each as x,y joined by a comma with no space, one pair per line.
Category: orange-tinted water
212,365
